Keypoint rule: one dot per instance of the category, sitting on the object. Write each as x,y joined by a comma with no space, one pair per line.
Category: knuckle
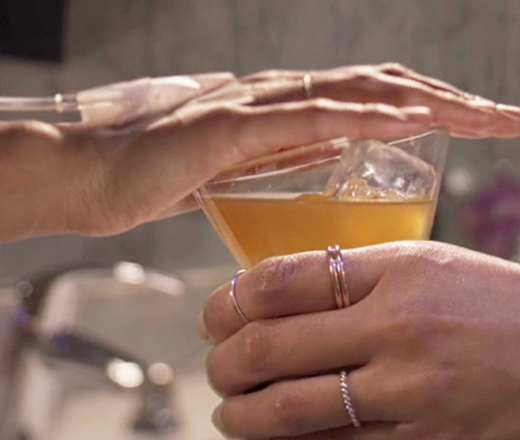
226,127
378,85
417,331
393,68
424,254
21,133
256,350
272,277
374,108
289,412
365,78
410,328
19,128
265,75
317,111
223,114
396,333
318,107
414,324
320,104
272,73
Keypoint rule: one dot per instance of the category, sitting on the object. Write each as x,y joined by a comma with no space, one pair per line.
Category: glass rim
253,168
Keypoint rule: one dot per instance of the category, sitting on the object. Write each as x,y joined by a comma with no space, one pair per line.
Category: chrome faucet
60,346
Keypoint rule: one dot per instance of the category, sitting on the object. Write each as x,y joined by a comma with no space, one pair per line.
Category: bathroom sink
65,401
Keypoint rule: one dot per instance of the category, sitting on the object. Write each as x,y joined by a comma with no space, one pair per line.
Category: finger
171,149
271,75
479,117
301,283
260,130
460,112
292,285
277,85
392,68
372,431
277,287
302,406
265,351
396,69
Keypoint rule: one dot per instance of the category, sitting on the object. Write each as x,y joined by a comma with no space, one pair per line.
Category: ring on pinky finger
299,407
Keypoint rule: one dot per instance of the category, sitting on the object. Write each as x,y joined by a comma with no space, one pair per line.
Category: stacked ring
339,280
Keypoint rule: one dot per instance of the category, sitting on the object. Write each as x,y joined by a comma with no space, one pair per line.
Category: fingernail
203,330
216,418
509,110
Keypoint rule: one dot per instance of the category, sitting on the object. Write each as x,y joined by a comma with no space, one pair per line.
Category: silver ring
338,276
347,401
233,296
307,85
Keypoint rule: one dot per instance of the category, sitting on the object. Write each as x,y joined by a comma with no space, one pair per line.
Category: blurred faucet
64,347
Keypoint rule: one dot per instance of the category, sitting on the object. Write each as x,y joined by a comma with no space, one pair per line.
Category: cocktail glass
350,193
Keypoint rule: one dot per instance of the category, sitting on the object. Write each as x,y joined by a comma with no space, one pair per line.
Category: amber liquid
256,227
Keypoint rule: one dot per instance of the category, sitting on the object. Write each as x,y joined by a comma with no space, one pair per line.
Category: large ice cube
373,169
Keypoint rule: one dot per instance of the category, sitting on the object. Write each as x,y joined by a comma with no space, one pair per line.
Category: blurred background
63,46
474,44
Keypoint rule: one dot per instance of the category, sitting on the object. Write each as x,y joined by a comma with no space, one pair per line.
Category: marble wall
472,43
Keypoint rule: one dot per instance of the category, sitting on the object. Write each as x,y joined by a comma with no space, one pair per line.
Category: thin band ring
232,294
307,85
335,267
347,401
338,276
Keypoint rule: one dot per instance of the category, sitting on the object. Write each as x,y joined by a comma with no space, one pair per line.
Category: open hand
76,179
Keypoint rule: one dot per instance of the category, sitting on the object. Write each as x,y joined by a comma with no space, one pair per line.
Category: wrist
31,192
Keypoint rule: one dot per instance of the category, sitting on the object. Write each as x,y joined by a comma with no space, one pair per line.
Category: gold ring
338,276
307,85
232,294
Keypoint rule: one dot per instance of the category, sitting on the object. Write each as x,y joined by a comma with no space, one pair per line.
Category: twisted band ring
347,401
